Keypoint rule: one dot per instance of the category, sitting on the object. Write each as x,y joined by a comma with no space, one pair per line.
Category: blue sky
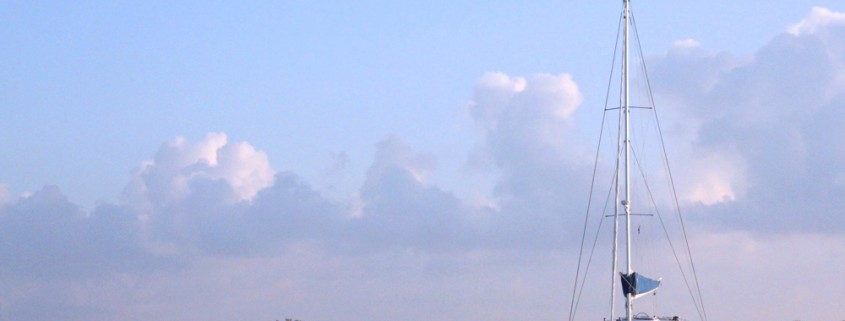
408,144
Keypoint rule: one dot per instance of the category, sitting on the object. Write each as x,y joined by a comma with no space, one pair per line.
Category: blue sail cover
637,285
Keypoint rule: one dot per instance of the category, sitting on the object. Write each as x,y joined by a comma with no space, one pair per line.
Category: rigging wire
669,171
668,238
572,304
592,250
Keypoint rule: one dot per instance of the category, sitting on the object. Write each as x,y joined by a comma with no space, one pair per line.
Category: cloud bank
768,129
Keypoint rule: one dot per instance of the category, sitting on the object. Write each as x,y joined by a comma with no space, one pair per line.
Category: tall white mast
629,300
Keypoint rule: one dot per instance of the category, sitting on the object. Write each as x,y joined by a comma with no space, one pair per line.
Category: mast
629,300
634,284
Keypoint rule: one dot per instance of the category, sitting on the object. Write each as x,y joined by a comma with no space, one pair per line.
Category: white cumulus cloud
818,19
761,136
168,176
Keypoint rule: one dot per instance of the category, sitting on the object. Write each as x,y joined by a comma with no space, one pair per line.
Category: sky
376,160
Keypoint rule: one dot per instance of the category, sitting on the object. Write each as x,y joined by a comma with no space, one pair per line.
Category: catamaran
634,285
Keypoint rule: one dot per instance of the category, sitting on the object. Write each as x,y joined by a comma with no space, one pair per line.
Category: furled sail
638,285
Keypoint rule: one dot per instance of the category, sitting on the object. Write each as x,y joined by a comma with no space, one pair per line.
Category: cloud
765,130
401,208
529,136
818,20
46,237
169,176
533,115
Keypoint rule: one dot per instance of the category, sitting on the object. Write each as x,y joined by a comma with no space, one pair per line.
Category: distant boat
634,285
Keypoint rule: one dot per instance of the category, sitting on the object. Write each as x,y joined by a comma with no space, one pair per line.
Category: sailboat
634,284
